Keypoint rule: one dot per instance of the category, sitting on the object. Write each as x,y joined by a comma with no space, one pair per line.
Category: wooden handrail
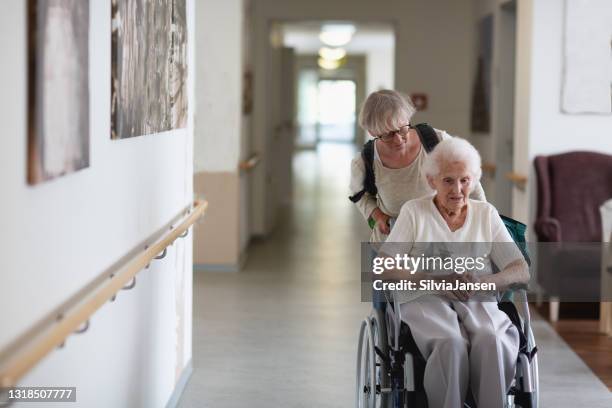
489,168
22,356
518,179
249,163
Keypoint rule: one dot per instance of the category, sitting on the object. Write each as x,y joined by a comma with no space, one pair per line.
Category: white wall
221,134
380,69
58,236
540,127
218,125
551,131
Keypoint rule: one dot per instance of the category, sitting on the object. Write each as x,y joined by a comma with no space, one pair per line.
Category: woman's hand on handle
382,221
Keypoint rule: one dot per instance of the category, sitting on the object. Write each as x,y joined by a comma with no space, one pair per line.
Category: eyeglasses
402,131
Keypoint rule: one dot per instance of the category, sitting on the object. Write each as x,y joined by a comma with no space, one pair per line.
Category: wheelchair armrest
397,314
508,294
522,304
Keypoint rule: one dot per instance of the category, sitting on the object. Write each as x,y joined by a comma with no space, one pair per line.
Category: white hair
453,149
384,111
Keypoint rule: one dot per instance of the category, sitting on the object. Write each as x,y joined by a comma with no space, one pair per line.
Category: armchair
571,187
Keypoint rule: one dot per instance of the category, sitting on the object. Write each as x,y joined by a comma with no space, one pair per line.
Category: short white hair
453,149
384,111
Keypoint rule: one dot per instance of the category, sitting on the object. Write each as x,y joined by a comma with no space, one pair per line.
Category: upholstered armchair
571,188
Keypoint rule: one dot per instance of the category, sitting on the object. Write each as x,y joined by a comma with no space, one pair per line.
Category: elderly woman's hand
460,295
382,221
470,277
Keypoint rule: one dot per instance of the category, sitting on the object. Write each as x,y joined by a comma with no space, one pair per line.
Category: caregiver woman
398,160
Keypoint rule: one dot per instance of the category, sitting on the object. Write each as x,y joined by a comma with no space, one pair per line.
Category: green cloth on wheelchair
517,232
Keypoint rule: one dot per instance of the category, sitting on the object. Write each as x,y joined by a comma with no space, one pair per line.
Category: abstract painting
58,88
481,96
149,67
587,64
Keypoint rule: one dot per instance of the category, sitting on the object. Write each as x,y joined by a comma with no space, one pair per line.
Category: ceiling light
329,64
336,35
332,54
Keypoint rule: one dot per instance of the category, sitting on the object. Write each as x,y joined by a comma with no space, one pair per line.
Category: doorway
326,110
336,116
504,143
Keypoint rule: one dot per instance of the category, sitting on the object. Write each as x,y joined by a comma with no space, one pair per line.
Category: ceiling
304,37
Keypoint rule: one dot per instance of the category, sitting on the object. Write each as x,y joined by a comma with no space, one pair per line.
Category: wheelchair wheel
372,372
534,372
382,367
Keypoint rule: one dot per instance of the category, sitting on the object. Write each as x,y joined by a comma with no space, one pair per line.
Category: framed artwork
58,88
149,67
587,59
481,94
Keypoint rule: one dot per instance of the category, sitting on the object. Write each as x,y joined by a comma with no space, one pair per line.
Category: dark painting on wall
149,67
58,88
481,94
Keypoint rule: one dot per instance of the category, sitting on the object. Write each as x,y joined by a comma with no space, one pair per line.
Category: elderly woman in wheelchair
469,346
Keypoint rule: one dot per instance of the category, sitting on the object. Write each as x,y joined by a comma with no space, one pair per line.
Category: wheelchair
390,367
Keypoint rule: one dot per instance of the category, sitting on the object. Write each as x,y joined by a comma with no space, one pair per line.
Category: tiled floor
283,332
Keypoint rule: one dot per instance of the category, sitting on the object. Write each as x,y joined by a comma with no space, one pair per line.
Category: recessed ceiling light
336,35
329,64
332,53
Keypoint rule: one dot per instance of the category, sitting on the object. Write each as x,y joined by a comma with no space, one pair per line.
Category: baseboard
216,267
237,267
180,386
242,259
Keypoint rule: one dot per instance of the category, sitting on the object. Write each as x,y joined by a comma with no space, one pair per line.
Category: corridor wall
58,236
540,126
380,69
220,127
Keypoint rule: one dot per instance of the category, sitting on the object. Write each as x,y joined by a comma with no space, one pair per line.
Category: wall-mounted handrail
519,180
249,163
489,168
22,356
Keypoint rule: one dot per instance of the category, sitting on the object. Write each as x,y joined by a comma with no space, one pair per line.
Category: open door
281,132
287,130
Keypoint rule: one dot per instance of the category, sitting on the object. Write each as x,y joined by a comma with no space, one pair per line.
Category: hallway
177,229
283,332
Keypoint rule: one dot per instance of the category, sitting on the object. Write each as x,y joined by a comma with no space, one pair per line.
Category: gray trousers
465,343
